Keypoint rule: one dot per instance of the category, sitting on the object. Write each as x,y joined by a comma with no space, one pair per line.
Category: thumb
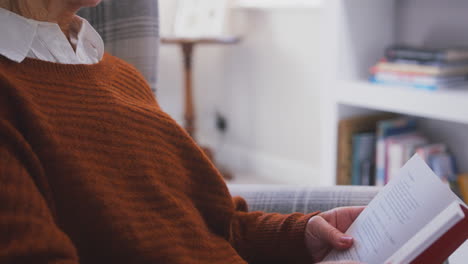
325,231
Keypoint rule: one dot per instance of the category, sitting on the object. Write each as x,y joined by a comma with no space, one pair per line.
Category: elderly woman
93,171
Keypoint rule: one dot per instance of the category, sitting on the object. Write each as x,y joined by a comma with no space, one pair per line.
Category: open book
415,218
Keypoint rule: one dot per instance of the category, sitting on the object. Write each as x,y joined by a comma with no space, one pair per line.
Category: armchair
288,198
130,30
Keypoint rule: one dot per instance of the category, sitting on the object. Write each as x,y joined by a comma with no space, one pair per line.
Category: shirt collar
19,32
89,41
17,35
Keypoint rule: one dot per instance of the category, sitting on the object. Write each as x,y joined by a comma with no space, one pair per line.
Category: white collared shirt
22,38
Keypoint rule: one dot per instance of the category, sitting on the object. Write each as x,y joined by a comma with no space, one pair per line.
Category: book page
402,208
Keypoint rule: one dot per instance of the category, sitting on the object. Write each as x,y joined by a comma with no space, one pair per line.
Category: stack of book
375,154
397,140
422,67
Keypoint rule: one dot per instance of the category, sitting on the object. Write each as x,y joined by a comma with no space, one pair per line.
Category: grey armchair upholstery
130,30
289,199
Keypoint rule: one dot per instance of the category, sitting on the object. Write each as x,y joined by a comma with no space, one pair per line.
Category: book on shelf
411,77
426,151
417,85
429,63
363,158
422,67
420,81
386,129
371,149
463,185
415,218
431,70
400,149
444,166
346,129
426,54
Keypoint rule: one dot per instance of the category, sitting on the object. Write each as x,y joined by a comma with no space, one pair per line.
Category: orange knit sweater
93,171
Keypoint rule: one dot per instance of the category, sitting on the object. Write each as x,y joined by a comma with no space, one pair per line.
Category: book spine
380,163
421,55
422,69
355,174
395,157
366,173
441,249
342,161
373,79
463,185
424,80
427,63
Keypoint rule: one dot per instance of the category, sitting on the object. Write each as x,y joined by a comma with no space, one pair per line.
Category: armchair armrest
287,199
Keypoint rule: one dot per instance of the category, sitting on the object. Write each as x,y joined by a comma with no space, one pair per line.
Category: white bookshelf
405,100
354,36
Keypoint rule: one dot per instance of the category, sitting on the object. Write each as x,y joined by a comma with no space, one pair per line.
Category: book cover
367,172
346,129
430,63
444,166
400,149
427,150
386,76
463,186
385,129
363,153
447,243
400,51
374,80
416,218
446,70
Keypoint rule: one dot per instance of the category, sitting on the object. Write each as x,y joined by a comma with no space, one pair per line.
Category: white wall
267,88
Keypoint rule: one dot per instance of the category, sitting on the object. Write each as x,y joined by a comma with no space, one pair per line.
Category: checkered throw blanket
290,199
130,30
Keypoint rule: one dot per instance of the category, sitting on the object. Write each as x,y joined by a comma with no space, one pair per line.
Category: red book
445,245
415,218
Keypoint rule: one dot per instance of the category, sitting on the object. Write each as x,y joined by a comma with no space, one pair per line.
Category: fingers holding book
326,231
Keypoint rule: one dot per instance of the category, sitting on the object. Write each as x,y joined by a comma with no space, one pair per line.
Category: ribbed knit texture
93,171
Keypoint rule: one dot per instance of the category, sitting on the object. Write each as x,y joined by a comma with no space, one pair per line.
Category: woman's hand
325,231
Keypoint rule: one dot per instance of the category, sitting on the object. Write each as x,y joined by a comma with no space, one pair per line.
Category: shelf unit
354,36
405,100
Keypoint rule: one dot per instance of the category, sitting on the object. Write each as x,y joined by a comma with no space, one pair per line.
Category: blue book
422,86
363,145
444,166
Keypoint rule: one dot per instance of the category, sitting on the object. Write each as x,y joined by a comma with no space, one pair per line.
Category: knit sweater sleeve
28,233
268,237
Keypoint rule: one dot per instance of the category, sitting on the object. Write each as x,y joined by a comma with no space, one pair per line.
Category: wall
266,87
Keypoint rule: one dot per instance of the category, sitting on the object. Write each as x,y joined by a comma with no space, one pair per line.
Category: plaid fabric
290,199
130,30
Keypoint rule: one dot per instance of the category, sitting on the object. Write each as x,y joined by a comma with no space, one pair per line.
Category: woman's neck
54,11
